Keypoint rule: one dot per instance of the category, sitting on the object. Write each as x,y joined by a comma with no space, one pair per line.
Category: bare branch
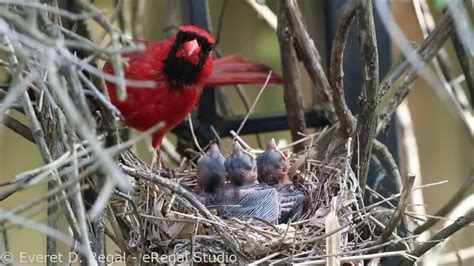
344,115
291,76
367,118
308,53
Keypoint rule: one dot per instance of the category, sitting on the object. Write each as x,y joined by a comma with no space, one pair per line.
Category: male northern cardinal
180,66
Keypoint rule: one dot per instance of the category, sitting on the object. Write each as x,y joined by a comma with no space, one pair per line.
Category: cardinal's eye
180,36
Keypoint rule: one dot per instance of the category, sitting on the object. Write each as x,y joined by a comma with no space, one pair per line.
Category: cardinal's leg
156,152
156,162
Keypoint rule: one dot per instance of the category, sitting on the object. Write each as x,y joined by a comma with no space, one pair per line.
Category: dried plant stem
18,66
367,118
193,134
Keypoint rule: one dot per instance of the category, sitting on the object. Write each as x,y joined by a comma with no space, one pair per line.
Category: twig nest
241,205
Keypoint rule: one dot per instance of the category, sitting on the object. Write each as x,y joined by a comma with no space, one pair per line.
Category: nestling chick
245,197
210,176
257,202
273,170
241,167
273,166
292,203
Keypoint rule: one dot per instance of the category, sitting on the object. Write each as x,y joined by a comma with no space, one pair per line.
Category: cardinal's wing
231,70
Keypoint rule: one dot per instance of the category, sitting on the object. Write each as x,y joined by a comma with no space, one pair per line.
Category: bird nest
163,218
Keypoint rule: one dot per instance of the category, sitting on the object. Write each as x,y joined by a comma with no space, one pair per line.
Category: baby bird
273,170
247,198
241,167
210,177
273,166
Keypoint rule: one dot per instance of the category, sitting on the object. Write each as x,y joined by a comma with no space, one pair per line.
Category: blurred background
445,145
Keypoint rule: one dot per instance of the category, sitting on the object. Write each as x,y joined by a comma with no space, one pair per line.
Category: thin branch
441,62
442,235
367,119
448,206
18,127
171,22
397,215
138,13
254,104
265,13
350,259
22,26
107,113
120,14
344,115
110,169
467,63
115,58
423,54
384,154
193,134
220,21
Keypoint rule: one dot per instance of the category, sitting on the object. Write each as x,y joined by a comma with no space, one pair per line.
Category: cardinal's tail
231,70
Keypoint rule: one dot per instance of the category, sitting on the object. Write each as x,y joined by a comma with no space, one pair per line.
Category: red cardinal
181,66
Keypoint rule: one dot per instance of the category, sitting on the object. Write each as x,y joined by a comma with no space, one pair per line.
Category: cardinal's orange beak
191,48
